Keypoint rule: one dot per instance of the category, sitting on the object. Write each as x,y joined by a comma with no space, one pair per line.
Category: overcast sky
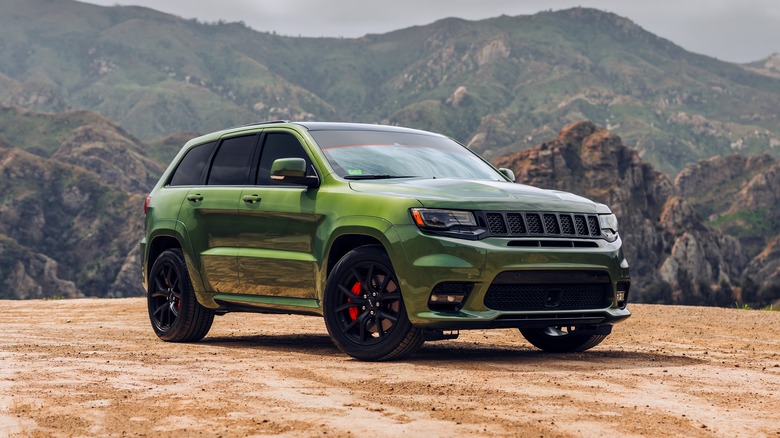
730,30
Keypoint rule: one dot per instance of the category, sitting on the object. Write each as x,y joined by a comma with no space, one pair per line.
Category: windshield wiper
377,176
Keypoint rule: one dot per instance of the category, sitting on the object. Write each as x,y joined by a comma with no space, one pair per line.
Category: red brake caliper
353,311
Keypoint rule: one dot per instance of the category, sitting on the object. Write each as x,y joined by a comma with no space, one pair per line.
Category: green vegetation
769,308
41,133
156,74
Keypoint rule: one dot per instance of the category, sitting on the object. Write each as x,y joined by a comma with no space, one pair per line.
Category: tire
364,310
561,339
174,311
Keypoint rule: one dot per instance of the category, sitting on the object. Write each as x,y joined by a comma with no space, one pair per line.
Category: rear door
210,212
277,225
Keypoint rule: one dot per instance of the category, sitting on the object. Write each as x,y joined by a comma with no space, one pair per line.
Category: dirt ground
94,368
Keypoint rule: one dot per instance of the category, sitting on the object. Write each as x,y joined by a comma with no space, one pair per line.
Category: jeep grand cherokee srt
394,236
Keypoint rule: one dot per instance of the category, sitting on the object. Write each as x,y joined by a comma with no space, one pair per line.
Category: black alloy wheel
174,311
364,309
165,296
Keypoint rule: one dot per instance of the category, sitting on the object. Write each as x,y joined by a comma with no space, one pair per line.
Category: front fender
373,227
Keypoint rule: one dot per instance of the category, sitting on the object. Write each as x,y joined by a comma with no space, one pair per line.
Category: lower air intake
549,290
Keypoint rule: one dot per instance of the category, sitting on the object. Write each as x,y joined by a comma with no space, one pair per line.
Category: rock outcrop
675,256
27,275
761,278
726,183
739,195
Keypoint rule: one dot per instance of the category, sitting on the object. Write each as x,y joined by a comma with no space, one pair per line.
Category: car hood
479,195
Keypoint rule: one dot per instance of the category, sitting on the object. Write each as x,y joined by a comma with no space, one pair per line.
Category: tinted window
278,145
233,161
191,166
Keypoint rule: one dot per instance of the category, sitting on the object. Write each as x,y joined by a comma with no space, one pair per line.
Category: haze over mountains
500,86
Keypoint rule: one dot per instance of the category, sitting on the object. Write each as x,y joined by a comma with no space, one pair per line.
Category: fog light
621,295
449,296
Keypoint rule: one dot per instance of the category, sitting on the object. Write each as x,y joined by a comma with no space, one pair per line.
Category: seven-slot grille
517,224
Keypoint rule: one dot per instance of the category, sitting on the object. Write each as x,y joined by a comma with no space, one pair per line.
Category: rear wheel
364,310
174,311
561,339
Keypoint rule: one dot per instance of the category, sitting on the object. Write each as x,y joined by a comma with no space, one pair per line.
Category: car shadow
598,358
437,353
314,344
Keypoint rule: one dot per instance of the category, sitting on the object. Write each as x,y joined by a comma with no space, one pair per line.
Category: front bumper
430,260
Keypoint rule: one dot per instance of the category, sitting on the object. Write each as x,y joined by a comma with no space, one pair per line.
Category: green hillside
499,85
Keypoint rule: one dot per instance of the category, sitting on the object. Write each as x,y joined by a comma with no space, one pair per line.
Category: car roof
310,126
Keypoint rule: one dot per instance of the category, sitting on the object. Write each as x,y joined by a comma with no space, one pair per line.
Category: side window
233,161
279,145
190,168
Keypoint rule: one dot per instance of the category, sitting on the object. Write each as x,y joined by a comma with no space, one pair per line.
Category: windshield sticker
354,171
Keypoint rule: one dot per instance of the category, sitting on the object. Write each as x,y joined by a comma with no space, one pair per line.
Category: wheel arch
346,243
170,239
350,235
156,247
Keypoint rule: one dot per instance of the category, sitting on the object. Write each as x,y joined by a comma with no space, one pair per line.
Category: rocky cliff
70,222
674,255
739,195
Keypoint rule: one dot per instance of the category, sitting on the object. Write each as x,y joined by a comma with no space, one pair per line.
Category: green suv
395,236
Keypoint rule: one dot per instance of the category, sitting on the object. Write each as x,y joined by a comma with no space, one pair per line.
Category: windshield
386,154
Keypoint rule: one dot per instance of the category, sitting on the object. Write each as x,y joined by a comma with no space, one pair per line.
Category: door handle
194,198
251,199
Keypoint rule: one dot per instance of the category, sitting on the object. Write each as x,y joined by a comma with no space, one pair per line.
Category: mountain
675,256
70,210
96,100
70,205
498,85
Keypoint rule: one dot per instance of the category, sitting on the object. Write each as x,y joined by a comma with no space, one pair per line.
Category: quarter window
190,169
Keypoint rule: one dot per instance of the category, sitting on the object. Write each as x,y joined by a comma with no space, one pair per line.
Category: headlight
608,222
442,219
609,226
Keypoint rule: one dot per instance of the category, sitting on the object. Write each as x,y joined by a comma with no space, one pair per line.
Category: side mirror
508,173
293,171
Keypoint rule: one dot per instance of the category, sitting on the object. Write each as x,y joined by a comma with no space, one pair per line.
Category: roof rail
259,123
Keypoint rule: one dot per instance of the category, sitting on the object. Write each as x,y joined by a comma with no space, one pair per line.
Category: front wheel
561,339
174,311
364,310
